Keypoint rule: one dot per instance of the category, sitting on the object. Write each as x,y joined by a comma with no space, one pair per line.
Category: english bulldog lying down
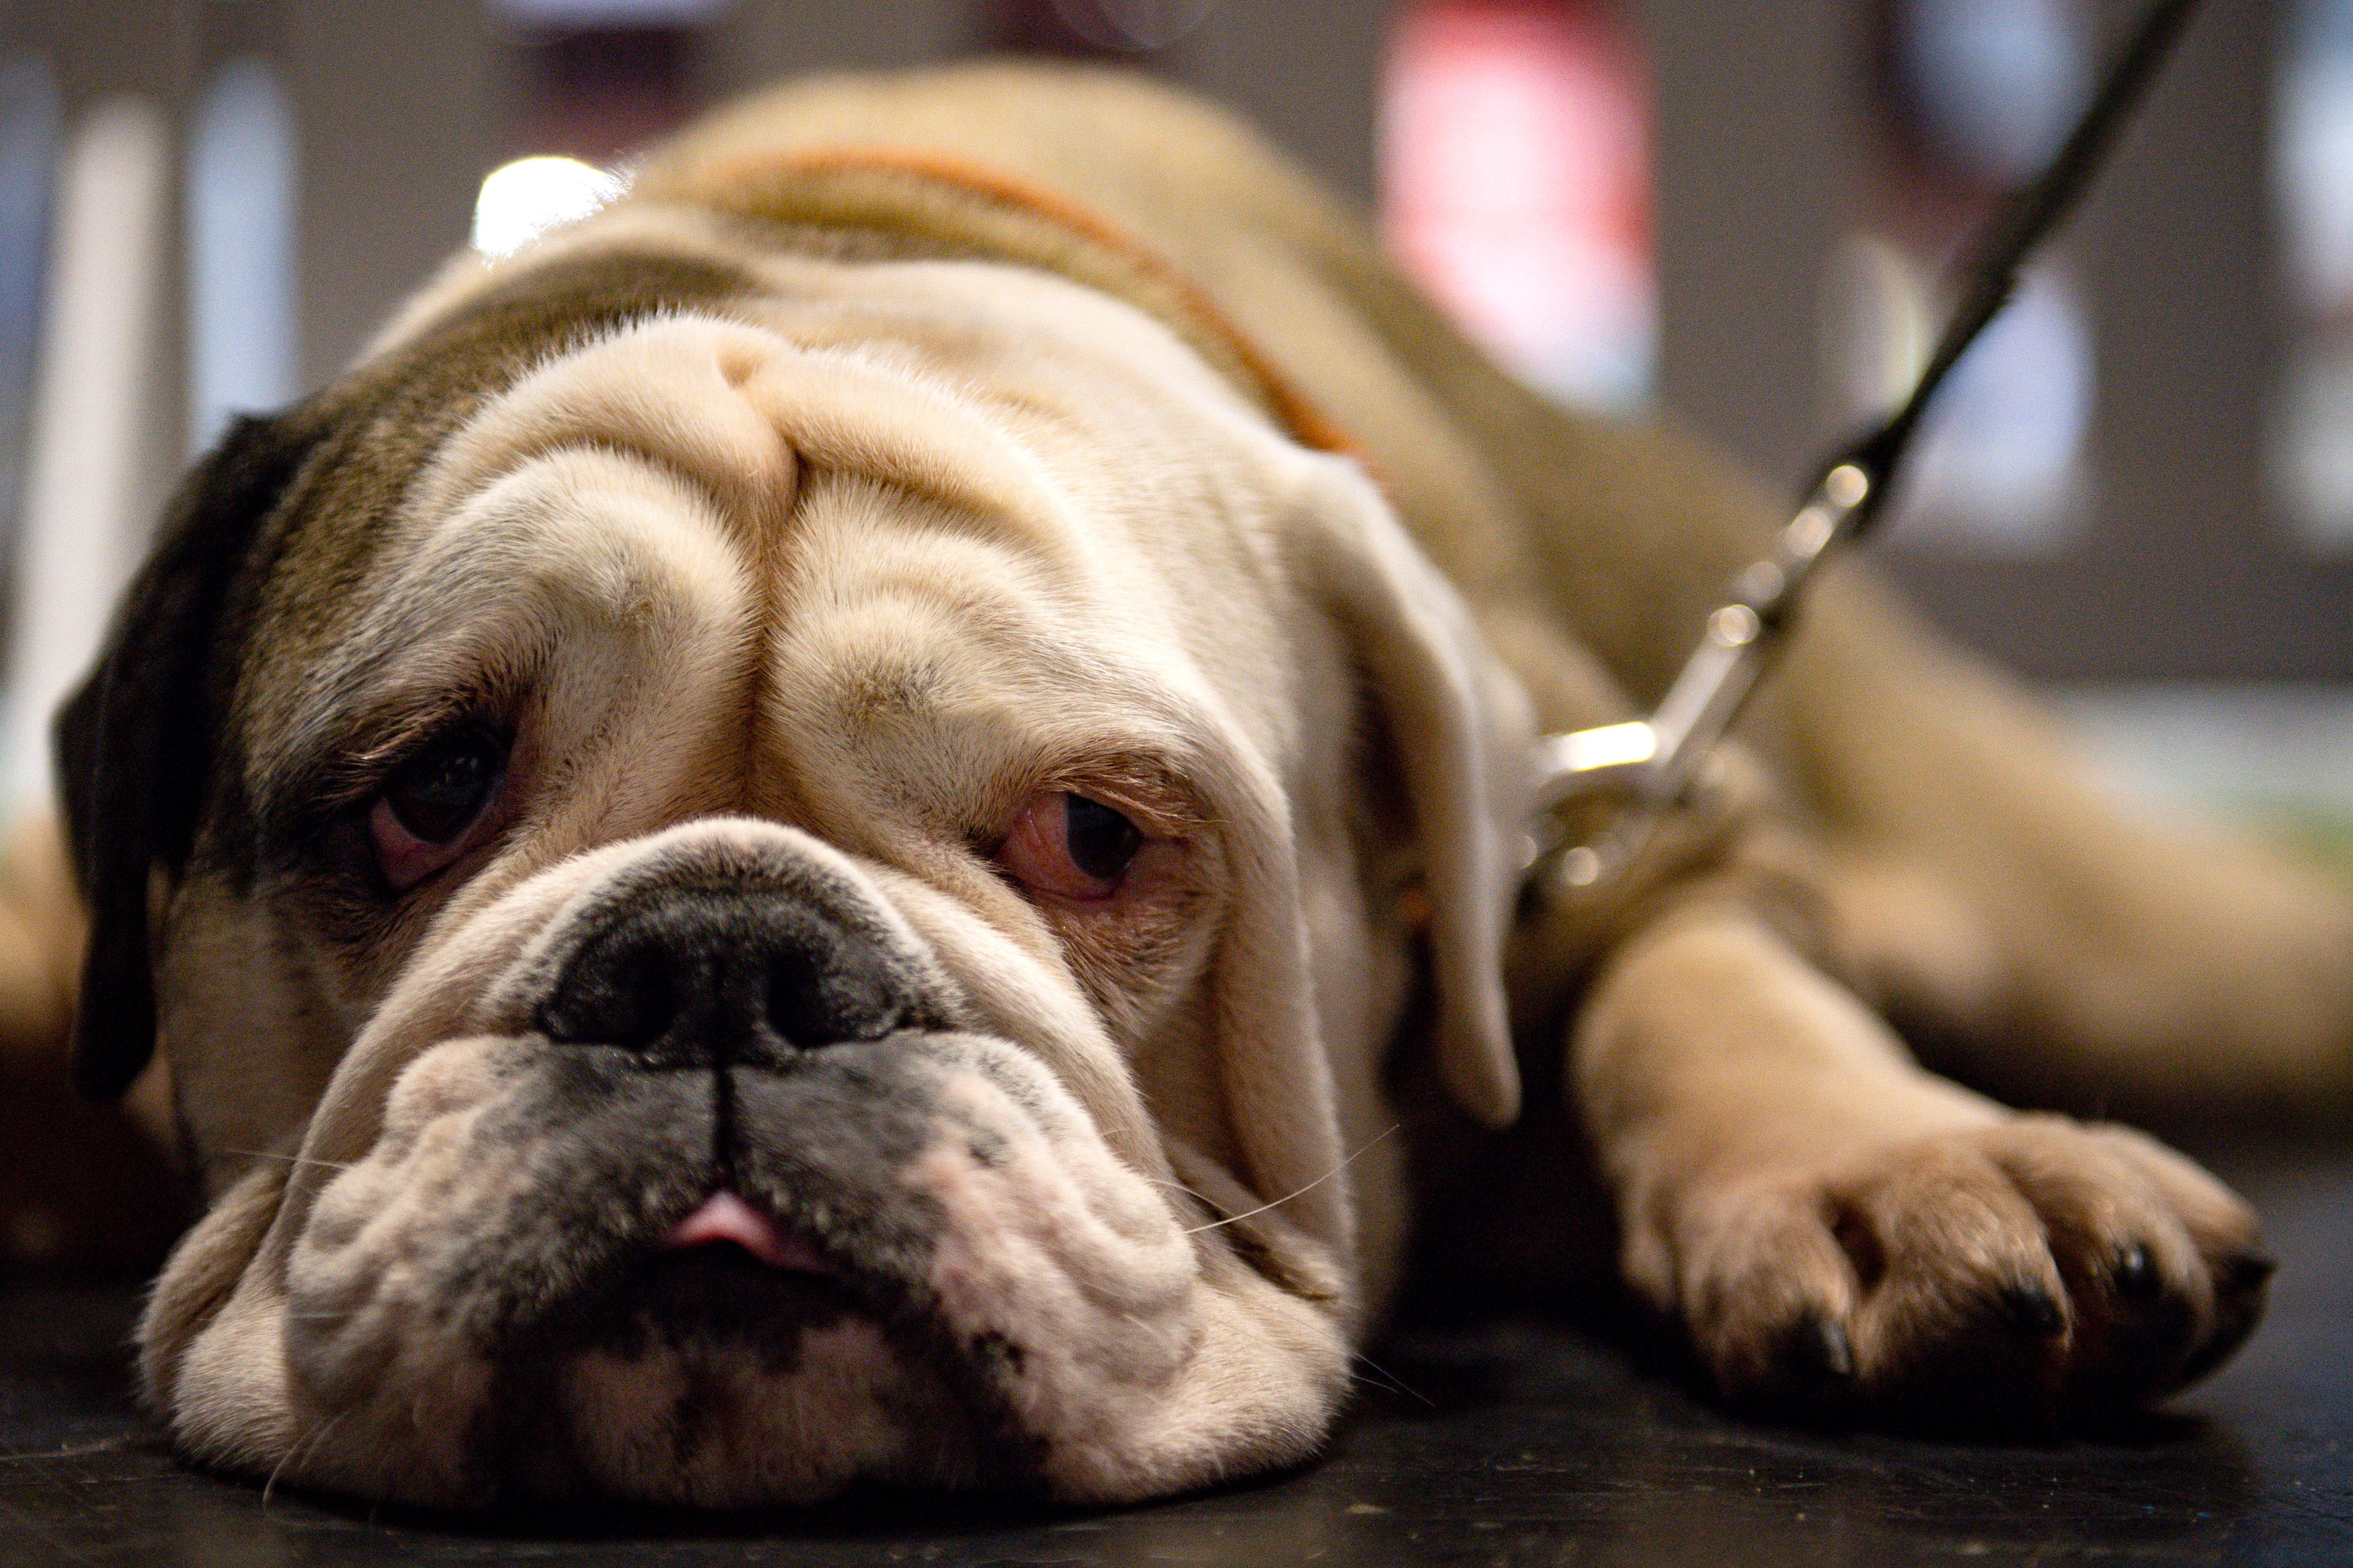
814,831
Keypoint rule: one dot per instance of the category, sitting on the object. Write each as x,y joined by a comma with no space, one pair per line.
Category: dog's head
758,872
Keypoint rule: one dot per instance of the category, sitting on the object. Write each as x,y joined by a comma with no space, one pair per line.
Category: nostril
795,1012
625,995
813,1004
645,1002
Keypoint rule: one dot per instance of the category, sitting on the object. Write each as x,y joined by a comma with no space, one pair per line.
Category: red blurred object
1515,166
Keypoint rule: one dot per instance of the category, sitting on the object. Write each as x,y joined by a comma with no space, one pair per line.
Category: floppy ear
134,744
1463,729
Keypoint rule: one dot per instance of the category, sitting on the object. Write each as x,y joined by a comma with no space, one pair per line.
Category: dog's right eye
424,818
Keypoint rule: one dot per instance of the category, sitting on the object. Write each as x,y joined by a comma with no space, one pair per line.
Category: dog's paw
2001,1279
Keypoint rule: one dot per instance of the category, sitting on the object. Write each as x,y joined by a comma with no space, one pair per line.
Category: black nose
696,976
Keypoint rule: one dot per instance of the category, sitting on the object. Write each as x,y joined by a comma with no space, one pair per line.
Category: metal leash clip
1648,765
1640,771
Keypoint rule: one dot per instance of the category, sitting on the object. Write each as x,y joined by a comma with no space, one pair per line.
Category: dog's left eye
1071,847
424,818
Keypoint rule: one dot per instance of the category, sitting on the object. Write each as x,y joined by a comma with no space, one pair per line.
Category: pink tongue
723,1217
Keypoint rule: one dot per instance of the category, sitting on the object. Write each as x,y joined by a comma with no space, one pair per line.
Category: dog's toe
1770,1297
1989,1280
2164,1270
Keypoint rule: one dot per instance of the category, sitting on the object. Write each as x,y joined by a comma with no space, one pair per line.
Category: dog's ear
134,744
1463,729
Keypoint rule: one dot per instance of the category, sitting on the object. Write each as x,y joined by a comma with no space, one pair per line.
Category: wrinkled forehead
850,499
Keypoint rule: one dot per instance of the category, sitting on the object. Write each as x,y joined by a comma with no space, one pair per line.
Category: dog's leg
82,1187
2035,934
1841,1229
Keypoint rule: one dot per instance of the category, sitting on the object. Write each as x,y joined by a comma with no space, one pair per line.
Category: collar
944,204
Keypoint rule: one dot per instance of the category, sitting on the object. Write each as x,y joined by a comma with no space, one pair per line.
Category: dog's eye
1071,847
421,822
1102,841
437,793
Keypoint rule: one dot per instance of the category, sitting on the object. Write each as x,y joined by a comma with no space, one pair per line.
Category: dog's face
756,872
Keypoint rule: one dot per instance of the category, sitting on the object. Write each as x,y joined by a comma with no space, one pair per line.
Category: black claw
2245,1272
2030,1308
2136,1273
1837,1354
1817,1357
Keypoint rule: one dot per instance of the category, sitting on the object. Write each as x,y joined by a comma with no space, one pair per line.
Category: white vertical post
241,261
86,490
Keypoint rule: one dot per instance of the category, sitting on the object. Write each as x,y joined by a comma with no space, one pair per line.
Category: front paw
1997,1279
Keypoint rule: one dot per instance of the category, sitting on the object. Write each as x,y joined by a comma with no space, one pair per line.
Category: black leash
1649,763
2026,220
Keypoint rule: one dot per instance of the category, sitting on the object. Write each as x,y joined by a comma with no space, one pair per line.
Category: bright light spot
1611,746
522,200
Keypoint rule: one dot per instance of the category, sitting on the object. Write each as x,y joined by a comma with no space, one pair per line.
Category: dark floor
1517,1444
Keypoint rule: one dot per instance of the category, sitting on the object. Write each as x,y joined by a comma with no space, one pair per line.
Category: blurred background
2138,490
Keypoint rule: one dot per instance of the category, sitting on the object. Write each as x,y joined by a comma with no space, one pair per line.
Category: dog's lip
724,1218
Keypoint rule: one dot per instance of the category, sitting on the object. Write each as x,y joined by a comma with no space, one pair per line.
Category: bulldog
825,826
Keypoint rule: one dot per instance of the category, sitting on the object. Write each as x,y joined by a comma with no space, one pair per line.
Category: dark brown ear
134,744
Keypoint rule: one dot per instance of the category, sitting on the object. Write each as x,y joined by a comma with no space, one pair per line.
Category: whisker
1173,1186
1237,1218
1200,1198
311,1438
1395,1383
291,1158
